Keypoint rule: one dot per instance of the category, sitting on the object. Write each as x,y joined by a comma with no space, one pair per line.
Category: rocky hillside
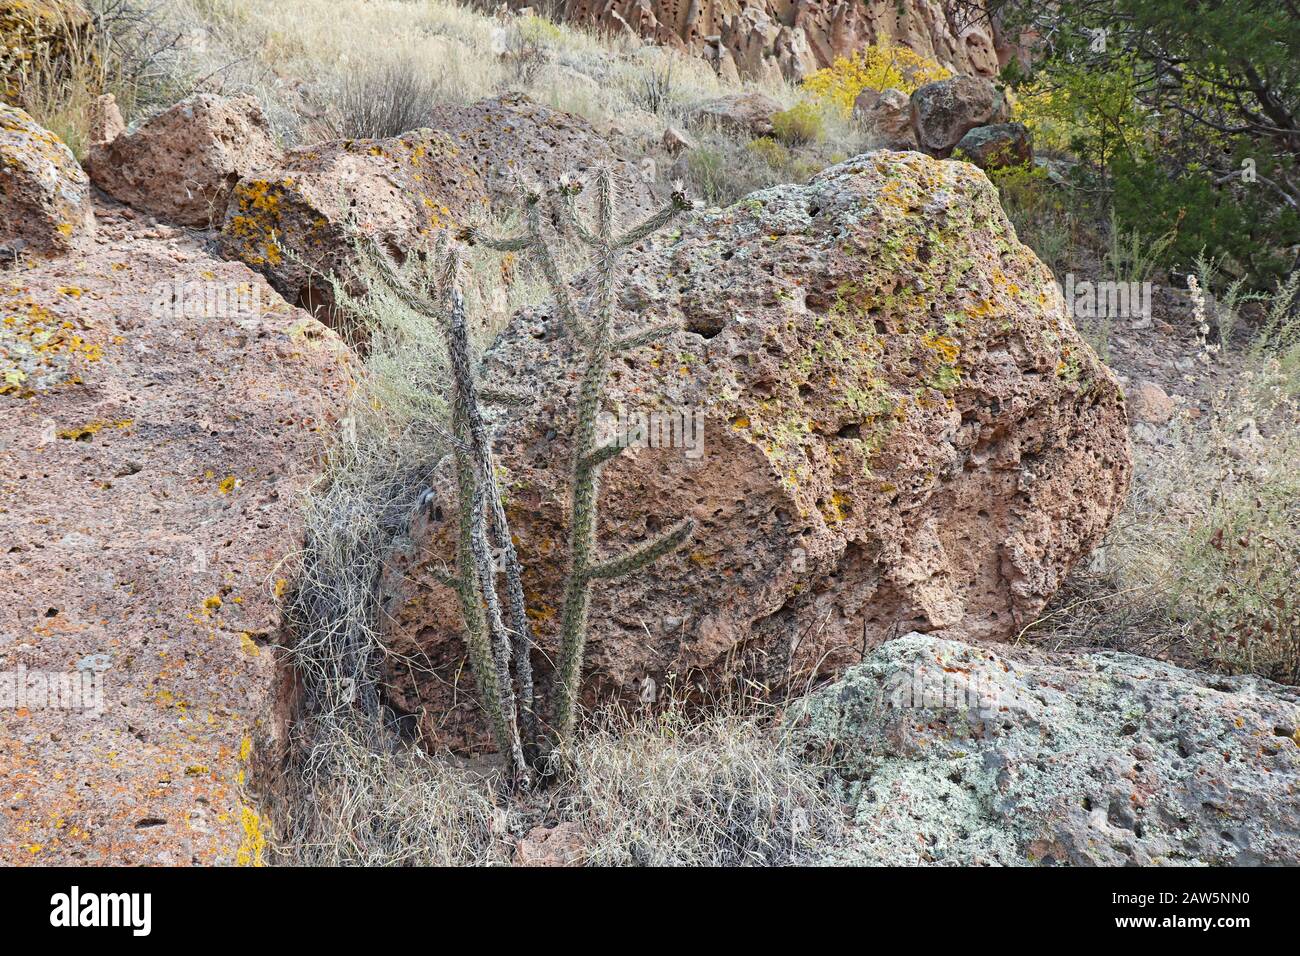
232,469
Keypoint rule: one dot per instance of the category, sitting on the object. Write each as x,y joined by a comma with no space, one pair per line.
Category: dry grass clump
130,50
669,789
1201,567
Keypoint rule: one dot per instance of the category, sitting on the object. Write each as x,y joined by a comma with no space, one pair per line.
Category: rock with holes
877,413
510,137
792,37
158,443
745,114
182,165
945,111
997,146
296,222
44,195
888,114
966,755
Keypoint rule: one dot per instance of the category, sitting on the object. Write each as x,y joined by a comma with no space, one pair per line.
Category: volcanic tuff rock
510,136
149,492
44,195
749,114
901,430
997,146
182,165
946,110
794,38
888,114
295,222
965,755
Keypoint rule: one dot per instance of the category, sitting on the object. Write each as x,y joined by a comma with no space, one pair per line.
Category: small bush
875,68
388,100
769,151
799,125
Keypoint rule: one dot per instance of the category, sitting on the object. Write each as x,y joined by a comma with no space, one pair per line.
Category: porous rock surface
997,146
791,39
156,443
510,137
183,164
963,755
901,431
44,194
946,110
297,222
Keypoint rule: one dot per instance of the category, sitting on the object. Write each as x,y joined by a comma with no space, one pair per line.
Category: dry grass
681,789
1202,564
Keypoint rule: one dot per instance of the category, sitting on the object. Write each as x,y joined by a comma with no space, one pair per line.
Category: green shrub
801,124
769,151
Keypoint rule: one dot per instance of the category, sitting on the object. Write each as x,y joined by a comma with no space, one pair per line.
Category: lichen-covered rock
510,136
150,495
295,222
182,165
44,194
884,421
946,110
996,146
961,755
37,33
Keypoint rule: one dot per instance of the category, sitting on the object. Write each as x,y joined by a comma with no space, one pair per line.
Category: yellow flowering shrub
875,68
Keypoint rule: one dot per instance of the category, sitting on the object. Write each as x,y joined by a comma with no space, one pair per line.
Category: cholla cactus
595,335
496,648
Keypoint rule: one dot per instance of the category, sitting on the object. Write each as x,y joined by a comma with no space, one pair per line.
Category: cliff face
794,37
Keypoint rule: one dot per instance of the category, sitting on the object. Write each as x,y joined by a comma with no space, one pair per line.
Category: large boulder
510,136
40,35
946,110
296,222
964,755
746,114
997,146
44,194
183,164
887,114
151,494
890,424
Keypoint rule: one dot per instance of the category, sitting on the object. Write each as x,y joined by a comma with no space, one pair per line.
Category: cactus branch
647,551
603,454
638,339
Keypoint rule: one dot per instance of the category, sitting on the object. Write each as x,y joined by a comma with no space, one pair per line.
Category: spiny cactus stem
582,537
644,553
569,319
519,639
471,608
638,339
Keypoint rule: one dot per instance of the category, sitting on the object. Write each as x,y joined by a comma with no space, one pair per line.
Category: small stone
1149,403
675,141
